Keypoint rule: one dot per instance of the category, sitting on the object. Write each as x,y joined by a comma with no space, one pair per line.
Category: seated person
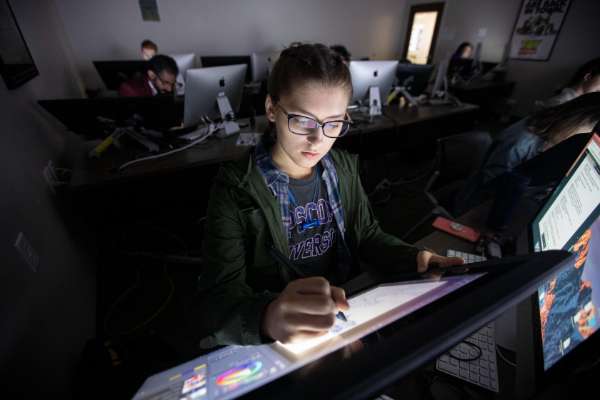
148,49
287,223
459,65
159,78
524,140
343,52
585,80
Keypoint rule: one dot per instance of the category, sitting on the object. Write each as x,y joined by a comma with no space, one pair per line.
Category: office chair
457,157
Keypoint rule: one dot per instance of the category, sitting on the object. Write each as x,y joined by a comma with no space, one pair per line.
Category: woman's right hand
305,309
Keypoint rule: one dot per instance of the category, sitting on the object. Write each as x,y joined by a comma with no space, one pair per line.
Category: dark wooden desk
489,95
406,128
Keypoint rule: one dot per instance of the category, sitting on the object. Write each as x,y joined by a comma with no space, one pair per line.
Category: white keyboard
468,257
483,370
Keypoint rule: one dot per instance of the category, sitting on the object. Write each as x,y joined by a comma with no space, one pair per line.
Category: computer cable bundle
138,283
211,128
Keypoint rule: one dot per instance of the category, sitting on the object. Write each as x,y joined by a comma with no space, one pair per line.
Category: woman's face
298,154
467,52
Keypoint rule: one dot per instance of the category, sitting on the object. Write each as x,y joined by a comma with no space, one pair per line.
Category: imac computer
261,66
184,62
114,73
222,61
372,80
561,321
214,92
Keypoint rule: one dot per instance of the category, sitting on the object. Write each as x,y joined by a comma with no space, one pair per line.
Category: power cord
504,358
125,294
211,129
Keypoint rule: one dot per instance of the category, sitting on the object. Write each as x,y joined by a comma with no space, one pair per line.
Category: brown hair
149,44
555,124
302,63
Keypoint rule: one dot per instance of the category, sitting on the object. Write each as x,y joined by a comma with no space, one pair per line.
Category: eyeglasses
303,125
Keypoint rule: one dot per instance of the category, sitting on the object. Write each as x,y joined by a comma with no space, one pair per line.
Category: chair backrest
460,156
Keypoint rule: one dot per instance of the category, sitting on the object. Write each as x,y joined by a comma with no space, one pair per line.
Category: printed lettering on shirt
313,246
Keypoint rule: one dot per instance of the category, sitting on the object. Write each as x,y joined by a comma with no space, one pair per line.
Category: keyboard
468,257
483,370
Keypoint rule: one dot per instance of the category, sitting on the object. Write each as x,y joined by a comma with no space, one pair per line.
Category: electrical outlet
27,252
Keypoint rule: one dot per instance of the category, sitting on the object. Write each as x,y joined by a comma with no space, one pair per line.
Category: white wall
577,42
113,29
46,316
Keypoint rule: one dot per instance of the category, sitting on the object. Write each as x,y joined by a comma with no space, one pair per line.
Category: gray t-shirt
313,229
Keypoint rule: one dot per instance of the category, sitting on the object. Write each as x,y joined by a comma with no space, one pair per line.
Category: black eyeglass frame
347,123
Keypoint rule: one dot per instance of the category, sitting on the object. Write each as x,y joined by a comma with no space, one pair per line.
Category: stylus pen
283,260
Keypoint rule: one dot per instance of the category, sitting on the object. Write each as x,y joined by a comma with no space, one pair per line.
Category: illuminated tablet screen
236,370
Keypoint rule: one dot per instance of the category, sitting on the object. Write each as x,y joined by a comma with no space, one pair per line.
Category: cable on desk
211,129
504,358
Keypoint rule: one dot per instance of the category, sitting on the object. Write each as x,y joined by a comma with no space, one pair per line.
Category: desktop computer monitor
114,73
367,74
261,66
414,77
203,86
184,62
561,321
221,61
85,116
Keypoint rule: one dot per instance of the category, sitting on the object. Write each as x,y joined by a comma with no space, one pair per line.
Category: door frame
439,7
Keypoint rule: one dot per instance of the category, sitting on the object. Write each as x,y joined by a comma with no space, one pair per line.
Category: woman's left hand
427,259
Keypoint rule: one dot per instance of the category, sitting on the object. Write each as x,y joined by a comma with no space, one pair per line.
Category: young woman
585,80
289,221
460,65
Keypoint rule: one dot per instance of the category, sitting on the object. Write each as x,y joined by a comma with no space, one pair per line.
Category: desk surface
91,172
481,84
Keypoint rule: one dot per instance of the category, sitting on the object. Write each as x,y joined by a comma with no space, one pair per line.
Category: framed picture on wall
537,28
16,63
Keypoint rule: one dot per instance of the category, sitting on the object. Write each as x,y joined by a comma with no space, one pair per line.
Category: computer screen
366,74
569,220
261,66
85,116
203,85
235,370
221,61
414,77
114,73
184,62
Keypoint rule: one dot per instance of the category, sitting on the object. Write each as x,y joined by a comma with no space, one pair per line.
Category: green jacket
240,277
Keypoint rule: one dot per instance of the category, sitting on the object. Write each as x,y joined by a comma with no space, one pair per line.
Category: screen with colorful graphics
234,370
570,221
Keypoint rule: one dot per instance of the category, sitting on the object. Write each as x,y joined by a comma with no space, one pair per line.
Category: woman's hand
426,259
305,309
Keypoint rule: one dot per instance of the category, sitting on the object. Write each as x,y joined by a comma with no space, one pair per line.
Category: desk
406,129
489,95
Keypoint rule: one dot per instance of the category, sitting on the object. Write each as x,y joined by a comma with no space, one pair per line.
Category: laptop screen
570,221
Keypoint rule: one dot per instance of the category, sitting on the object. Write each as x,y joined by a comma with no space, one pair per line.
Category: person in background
148,49
158,78
343,52
526,139
585,80
457,65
